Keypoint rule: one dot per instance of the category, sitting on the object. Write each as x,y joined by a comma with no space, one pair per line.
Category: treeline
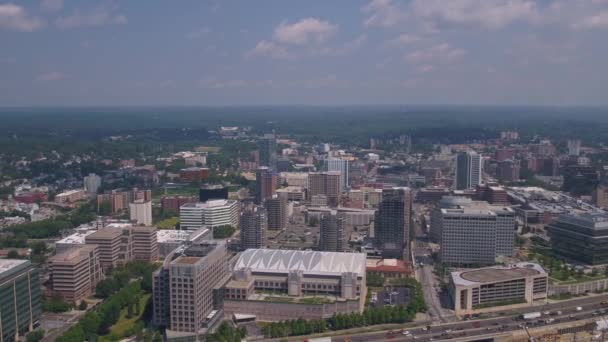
48,228
227,333
95,323
370,316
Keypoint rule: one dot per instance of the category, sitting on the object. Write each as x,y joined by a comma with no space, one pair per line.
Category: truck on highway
531,315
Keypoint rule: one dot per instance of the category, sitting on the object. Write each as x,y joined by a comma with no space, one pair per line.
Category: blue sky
224,52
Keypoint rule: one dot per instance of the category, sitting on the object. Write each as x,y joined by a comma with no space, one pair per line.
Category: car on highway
579,308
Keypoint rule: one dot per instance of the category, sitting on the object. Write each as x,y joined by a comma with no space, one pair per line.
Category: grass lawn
125,323
167,223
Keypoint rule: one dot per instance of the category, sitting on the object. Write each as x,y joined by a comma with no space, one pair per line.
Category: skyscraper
335,164
268,151
468,170
266,184
20,294
184,289
92,182
392,223
325,183
254,223
276,210
141,212
332,232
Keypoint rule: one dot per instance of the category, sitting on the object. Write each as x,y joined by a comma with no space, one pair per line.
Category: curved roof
309,262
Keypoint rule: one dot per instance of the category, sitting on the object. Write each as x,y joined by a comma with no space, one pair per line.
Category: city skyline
365,52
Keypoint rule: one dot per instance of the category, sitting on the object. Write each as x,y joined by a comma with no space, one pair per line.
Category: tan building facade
75,273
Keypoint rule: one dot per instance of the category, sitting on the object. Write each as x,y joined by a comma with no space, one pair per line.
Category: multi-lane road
552,314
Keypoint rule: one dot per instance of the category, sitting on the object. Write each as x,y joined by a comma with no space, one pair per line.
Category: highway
591,308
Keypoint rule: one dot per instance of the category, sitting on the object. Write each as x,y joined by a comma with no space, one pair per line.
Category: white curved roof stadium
309,262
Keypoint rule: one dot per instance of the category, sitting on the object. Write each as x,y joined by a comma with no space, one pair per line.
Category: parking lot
391,296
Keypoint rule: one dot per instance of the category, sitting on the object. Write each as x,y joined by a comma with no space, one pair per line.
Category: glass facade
20,305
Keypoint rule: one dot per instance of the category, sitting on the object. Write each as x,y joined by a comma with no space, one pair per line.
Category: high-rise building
574,147
600,196
268,151
582,237
472,233
339,165
145,243
325,183
266,183
109,241
332,232
213,213
20,299
212,191
140,211
254,223
92,182
468,170
508,170
276,209
392,223
186,288
75,273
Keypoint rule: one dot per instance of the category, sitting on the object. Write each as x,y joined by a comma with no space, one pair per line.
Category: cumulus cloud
268,49
96,17
15,18
492,14
343,49
51,76
382,13
305,31
441,53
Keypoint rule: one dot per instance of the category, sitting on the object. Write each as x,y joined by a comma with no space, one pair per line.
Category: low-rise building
71,196
476,289
304,284
389,268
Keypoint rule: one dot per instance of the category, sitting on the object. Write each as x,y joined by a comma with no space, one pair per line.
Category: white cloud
96,17
268,49
51,76
441,53
15,18
491,14
305,31
51,5
404,39
382,13
596,21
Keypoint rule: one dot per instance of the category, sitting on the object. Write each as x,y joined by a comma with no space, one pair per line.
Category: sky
309,52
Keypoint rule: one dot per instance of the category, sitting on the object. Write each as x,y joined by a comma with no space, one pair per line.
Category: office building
336,280
194,174
145,243
169,240
582,237
325,183
600,196
574,147
253,224
292,193
70,196
185,290
331,237
109,241
505,154
472,233
92,183
266,183
212,213
173,203
504,286
140,211
339,165
508,170
276,209
468,170
295,178
212,191
74,274
119,200
392,223
20,302
268,151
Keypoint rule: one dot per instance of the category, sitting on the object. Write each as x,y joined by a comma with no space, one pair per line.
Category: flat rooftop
185,260
496,274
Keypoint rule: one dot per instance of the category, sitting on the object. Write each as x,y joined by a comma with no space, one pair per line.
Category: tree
35,335
83,305
12,254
